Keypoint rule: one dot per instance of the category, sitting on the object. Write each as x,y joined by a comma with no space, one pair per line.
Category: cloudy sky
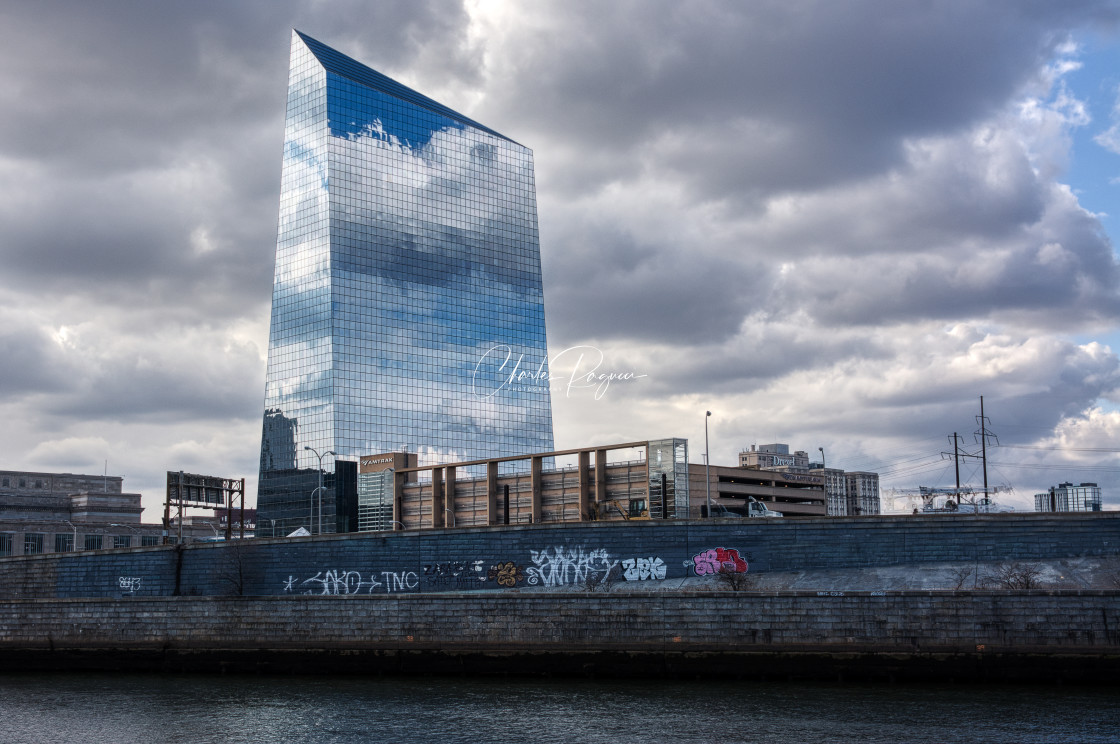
834,225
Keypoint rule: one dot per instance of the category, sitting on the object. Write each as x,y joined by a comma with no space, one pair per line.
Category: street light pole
707,466
824,479
320,488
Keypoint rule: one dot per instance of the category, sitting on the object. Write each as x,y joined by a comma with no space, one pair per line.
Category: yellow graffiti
506,574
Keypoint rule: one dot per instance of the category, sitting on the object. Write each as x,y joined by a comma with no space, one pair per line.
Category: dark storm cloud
99,370
29,362
764,352
1055,274
773,95
605,285
175,241
885,127
124,85
133,133
150,385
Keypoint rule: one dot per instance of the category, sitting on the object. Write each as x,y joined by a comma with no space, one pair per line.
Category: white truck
756,508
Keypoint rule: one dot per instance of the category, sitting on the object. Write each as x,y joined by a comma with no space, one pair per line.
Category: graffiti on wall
353,582
506,573
551,567
712,561
129,584
462,574
643,569
562,566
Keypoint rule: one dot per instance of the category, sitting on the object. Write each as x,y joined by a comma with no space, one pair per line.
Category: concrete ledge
1068,635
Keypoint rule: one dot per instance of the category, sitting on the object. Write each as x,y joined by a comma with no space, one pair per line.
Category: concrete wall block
549,554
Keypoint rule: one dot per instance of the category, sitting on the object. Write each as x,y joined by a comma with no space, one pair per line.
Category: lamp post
448,511
320,488
824,478
707,466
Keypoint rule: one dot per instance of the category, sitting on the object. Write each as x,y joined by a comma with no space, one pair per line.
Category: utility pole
983,434
957,464
707,466
984,446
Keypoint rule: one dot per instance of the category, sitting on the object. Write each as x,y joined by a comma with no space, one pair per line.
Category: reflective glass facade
1066,497
375,501
407,308
668,478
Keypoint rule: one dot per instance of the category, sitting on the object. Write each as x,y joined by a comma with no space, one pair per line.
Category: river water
79,708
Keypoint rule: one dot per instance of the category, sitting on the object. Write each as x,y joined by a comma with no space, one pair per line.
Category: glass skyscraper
407,309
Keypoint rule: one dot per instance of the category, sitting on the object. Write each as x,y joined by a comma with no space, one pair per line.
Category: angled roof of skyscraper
338,63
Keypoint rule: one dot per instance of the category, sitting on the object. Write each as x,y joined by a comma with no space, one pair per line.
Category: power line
1061,449
1082,468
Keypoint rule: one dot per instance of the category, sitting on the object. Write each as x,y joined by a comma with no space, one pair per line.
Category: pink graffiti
712,561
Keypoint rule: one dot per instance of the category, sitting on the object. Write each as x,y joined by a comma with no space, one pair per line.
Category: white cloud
85,454
1109,139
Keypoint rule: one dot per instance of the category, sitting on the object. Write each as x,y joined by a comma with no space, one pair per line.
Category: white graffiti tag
643,569
334,582
340,582
130,584
562,566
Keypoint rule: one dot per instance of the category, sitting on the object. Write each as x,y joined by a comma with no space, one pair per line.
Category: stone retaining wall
503,558
1006,635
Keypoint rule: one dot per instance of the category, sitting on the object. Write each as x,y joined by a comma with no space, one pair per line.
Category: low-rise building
61,512
862,493
1066,497
835,490
853,493
773,457
791,494
632,480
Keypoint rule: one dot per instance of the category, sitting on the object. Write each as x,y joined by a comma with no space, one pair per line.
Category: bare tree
232,567
1015,575
1110,570
736,581
602,580
960,576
